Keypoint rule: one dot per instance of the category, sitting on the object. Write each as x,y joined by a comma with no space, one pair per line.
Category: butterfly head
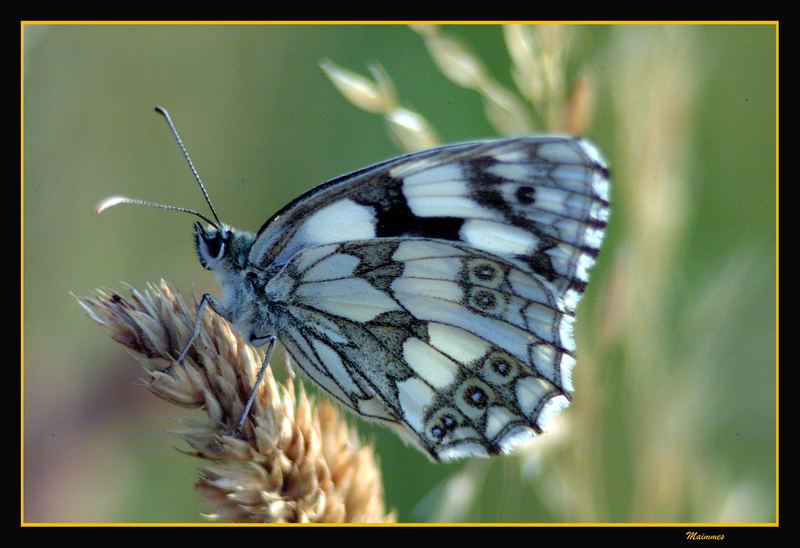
222,248
212,245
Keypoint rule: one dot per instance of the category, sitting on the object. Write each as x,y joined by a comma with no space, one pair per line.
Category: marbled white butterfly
434,292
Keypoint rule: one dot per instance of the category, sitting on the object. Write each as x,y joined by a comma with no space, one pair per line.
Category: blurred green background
674,413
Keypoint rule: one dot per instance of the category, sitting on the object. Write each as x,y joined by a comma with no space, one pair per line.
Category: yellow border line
565,524
22,272
398,22
777,274
681,526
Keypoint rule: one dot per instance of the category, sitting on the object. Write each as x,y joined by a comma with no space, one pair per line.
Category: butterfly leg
251,398
216,306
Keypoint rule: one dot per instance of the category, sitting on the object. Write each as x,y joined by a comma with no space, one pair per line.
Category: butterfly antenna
163,112
112,201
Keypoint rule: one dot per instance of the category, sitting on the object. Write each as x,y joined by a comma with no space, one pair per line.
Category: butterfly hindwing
464,352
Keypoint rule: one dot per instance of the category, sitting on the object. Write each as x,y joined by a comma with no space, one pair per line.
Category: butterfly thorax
224,251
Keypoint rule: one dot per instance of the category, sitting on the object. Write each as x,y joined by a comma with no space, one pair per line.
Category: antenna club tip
107,203
162,111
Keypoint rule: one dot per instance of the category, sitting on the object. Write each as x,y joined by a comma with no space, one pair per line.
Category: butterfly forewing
540,201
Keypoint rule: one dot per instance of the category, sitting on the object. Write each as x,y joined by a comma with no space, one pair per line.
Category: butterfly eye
211,246
215,246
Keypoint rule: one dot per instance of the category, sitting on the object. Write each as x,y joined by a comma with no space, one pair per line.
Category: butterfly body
435,292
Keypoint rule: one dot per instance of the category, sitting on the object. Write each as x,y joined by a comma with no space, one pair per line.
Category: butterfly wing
437,291
539,201
466,353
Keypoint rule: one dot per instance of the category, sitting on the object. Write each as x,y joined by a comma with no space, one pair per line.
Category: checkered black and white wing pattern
466,353
541,202
437,292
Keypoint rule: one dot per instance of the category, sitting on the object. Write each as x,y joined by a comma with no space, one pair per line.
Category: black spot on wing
525,195
539,261
491,197
393,217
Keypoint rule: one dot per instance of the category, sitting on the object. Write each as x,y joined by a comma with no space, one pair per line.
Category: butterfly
434,292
